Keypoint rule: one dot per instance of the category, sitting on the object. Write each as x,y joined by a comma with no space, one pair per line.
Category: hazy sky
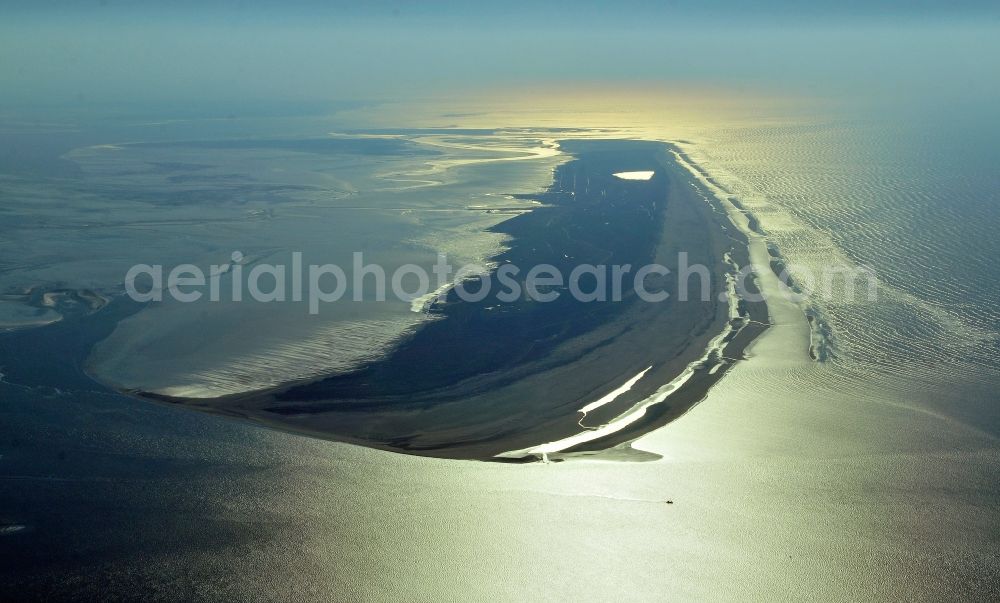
56,53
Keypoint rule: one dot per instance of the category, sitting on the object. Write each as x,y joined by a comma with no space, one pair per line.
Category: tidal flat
488,378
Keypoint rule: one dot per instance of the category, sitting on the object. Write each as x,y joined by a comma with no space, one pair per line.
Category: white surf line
424,177
760,256
639,409
628,417
424,302
549,148
610,397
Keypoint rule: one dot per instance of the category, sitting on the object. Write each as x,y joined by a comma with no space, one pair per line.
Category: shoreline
747,322
432,420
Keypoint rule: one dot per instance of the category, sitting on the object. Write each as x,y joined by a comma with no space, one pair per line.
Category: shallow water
872,475
916,204
398,200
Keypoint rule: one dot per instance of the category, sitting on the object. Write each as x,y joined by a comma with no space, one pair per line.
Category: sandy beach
479,383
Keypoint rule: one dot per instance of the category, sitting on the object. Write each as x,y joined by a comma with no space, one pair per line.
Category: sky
56,54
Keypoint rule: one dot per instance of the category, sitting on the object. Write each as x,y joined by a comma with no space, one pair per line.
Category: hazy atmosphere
528,301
